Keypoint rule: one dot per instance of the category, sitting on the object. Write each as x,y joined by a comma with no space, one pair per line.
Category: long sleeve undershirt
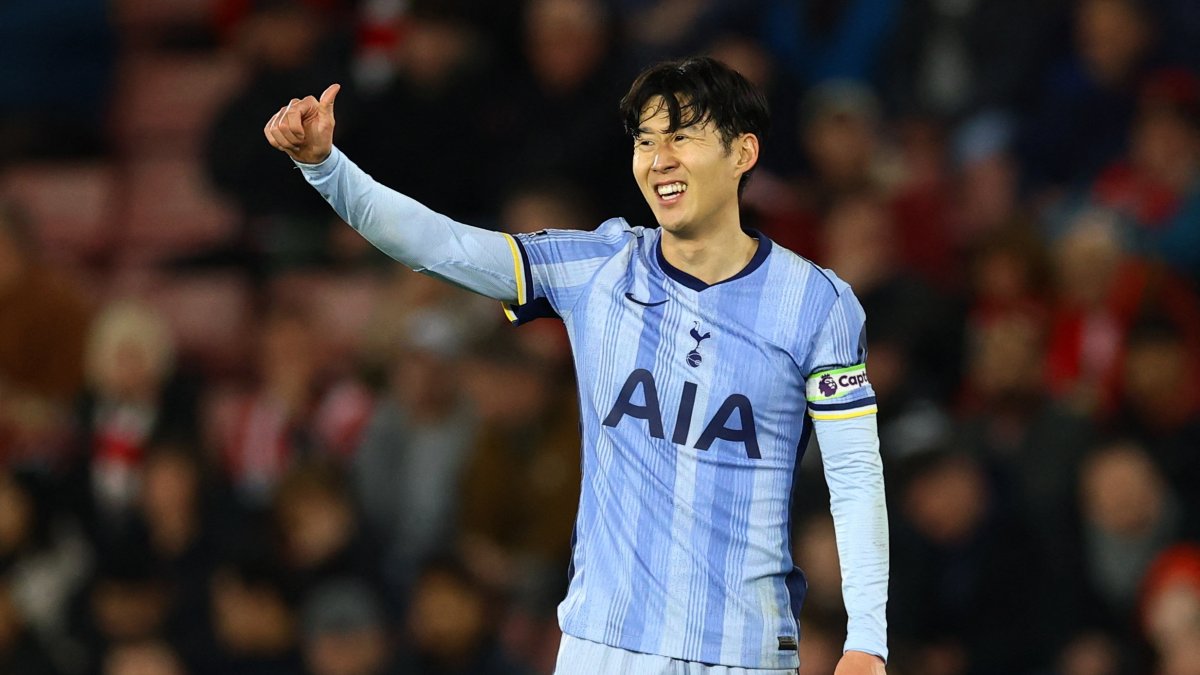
854,473
424,240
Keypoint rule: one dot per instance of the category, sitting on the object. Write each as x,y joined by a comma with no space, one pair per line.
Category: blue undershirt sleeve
479,260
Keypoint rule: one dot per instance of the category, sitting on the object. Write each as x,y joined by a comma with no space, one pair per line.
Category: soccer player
705,355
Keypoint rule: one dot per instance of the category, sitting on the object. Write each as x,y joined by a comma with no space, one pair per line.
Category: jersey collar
760,255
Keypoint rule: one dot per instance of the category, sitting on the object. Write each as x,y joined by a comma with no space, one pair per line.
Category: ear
745,152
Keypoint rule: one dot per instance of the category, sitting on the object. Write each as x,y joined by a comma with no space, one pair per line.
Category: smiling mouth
670,192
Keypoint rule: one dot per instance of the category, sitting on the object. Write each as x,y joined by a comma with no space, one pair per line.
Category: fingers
290,124
329,95
276,135
285,129
271,131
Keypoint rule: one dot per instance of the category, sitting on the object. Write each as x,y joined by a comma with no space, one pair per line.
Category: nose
664,160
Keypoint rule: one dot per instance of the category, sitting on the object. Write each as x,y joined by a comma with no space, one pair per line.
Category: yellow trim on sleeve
512,316
517,271
844,414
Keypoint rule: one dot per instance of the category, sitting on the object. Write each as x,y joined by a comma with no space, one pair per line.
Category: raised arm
476,259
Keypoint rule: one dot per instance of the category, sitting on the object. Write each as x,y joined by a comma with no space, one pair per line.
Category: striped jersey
696,402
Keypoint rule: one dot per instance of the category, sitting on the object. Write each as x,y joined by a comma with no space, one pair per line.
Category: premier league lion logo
827,385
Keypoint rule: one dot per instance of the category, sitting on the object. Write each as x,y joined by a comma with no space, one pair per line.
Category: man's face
688,176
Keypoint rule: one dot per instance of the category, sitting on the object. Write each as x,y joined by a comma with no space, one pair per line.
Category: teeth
672,188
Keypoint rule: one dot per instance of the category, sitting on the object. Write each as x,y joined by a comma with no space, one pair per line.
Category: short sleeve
836,380
555,267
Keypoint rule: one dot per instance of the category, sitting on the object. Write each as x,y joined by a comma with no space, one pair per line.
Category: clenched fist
304,127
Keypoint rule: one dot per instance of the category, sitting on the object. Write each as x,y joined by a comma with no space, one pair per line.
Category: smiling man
705,356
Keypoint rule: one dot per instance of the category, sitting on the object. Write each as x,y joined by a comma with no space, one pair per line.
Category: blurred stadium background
235,439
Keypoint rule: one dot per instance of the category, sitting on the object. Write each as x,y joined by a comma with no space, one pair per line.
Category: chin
671,222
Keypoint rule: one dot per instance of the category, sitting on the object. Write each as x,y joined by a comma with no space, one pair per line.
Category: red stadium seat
341,306
169,100
171,211
72,206
142,21
209,313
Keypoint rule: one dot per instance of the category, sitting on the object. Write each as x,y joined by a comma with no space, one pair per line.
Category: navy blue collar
764,249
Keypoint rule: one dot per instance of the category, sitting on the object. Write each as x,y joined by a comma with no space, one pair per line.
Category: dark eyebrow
644,130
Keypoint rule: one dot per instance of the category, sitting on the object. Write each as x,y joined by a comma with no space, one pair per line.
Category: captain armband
840,393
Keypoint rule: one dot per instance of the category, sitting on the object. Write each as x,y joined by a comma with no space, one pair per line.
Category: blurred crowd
236,439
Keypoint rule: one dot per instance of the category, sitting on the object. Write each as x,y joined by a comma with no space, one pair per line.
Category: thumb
329,95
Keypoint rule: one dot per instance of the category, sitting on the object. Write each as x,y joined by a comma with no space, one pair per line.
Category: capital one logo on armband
836,383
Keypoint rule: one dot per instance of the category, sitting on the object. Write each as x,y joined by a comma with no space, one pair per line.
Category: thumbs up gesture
304,127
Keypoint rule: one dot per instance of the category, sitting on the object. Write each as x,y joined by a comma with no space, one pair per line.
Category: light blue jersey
692,400
696,403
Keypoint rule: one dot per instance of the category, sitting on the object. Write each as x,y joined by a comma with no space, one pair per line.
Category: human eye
680,138
641,143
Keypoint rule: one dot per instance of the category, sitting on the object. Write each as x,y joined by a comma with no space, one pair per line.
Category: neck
711,256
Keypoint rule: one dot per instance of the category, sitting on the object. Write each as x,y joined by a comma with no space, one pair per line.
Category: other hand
860,663
304,127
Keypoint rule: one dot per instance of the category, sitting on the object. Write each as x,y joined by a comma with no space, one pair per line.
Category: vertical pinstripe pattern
680,551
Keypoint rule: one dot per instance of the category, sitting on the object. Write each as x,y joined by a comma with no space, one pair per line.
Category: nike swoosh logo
629,296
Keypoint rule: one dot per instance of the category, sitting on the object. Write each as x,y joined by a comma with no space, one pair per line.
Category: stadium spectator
657,29
44,560
828,39
544,205
1080,117
56,86
1156,187
1129,517
1160,406
254,622
344,630
1007,274
320,537
421,434
178,528
450,626
1102,293
294,413
127,600
1032,444
19,649
949,60
520,486
956,549
149,657
440,89
135,399
286,48
987,190
1170,609
565,90
43,323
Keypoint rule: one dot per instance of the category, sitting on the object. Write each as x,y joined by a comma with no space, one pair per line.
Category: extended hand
860,663
304,127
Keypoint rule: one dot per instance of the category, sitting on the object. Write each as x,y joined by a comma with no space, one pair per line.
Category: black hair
697,90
